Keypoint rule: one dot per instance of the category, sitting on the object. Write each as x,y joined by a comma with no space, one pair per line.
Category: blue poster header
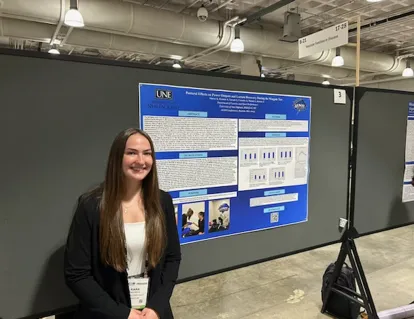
164,100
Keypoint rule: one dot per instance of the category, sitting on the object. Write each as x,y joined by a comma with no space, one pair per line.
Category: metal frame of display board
348,247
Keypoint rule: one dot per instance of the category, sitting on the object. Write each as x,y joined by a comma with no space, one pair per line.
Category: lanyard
145,273
146,266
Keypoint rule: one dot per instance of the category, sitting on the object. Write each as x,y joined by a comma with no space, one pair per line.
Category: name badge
138,290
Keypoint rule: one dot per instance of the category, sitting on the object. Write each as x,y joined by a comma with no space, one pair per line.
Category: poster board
381,160
90,112
234,162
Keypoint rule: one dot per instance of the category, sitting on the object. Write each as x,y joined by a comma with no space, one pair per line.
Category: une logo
164,94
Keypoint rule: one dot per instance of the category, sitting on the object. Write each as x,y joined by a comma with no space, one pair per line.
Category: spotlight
408,71
73,17
338,60
237,44
176,65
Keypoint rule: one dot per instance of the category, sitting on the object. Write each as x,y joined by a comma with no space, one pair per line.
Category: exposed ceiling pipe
67,36
61,20
229,39
221,5
217,47
122,18
98,40
298,68
324,55
308,78
388,79
397,65
138,21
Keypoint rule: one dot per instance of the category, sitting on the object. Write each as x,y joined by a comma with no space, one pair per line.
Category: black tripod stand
348,248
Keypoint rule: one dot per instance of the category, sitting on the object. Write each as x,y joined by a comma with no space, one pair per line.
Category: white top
135,243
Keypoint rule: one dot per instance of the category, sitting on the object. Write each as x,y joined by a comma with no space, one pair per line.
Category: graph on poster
233,162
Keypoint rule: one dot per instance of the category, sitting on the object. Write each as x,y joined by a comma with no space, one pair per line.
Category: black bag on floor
339,305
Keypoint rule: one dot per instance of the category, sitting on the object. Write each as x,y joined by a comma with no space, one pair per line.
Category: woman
123,236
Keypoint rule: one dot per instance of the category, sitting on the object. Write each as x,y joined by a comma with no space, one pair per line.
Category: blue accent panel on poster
407,194
275,192
410,109
193,155
275,135
233,162
193,193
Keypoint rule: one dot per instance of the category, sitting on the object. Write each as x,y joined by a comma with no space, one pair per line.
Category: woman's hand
149,314
135,314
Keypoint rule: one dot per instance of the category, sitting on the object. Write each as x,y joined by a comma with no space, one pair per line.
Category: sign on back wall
233,162
326,39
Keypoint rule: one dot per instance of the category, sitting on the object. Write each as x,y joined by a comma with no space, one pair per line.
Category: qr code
274,217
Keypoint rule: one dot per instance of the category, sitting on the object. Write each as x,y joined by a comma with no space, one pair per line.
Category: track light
73,17
176,65
53,50
237,44
408,71
338,60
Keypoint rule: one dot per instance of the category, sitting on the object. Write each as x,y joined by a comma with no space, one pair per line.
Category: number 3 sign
339,96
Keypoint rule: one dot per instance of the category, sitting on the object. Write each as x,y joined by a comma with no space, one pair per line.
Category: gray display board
58,121
380,161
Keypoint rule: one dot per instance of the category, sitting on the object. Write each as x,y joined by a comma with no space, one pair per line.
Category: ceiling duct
115,18
98,40
257,15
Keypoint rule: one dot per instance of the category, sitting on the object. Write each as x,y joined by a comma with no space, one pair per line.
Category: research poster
408,189
233,162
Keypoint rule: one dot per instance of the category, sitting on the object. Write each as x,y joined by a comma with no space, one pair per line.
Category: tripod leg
362,281
361,286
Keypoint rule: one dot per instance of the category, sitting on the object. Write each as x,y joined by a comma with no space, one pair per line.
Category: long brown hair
112,236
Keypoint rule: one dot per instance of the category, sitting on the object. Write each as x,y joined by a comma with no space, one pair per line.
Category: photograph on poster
219,215
192,219
176,214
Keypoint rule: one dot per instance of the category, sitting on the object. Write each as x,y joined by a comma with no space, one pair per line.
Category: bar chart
268,156
249,157
277,175
284,154
258,176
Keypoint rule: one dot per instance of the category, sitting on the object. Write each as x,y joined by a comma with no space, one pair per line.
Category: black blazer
103,292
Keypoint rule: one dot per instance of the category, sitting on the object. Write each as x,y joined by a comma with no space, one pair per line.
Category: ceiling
387,26
387,29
